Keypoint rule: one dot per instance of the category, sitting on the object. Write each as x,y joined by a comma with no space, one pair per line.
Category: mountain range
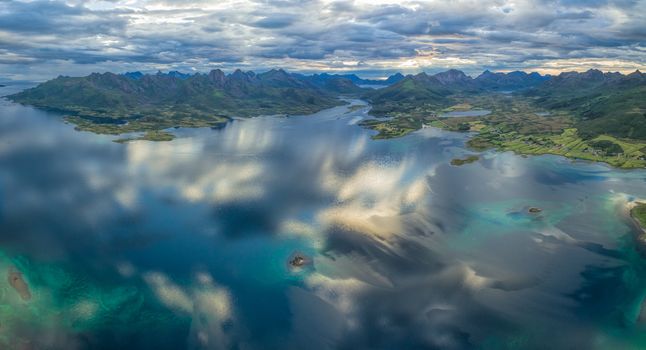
359,81
318,79
601,102
604,103
433,90
610,103
236,94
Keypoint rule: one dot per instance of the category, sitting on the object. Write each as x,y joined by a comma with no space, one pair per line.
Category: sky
40,40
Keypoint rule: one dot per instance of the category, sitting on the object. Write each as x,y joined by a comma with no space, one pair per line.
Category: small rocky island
470,159
298,260
534,210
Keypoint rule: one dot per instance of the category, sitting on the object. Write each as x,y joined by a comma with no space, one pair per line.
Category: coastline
519,145
639,229
630,206
515,124
579,150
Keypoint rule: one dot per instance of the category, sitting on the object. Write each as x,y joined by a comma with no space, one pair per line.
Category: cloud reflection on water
407,250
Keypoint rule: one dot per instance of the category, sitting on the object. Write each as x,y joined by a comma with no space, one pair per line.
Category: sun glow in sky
42,39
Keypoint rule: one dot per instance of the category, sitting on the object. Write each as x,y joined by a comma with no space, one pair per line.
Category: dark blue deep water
186,244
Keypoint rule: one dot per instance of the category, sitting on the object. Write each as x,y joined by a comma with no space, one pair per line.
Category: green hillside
608,103
114,104
414,95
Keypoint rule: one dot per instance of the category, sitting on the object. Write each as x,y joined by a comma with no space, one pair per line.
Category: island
469,159
298,260
108,103
591,115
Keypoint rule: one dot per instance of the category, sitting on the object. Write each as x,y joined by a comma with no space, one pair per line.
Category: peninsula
638,213
592,115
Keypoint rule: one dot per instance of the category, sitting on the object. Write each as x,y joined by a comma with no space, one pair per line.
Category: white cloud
362,36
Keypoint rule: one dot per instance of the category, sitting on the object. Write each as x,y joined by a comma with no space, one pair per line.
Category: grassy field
568,144
517,125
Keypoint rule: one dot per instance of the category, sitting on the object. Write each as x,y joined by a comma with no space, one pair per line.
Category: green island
146,122
468,160
116,104
589,116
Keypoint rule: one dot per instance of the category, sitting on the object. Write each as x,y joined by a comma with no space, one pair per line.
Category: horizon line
330,72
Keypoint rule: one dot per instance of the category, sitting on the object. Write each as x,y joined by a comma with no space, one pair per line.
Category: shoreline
632,205
639,231
501,148
517,125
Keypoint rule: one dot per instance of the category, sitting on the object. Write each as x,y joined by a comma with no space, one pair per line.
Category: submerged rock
18,283
297,261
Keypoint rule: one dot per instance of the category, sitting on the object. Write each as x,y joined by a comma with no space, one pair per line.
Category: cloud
390,231
210,307
314,35
52,17
276,21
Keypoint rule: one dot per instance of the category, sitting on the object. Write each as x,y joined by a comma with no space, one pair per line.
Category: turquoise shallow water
185,244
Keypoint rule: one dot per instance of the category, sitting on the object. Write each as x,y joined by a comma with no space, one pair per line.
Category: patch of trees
609,148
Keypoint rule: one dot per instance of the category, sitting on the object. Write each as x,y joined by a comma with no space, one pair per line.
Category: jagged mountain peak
452,76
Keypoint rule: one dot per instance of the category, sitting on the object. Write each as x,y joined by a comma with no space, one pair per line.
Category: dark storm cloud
302,35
